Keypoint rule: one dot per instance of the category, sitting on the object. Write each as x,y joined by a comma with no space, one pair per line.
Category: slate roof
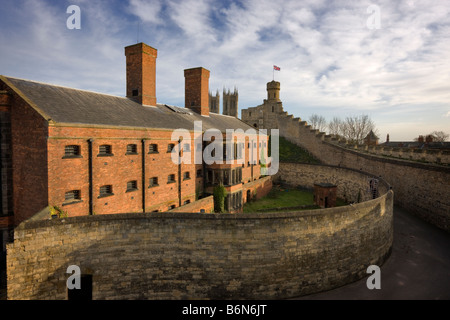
371,136
74,106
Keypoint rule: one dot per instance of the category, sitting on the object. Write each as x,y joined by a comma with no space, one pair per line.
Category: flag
276,68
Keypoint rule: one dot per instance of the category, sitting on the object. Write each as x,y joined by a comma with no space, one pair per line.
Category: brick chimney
141,73
197,90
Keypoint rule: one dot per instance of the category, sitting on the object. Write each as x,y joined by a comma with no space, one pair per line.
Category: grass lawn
285,197
279,198
290,152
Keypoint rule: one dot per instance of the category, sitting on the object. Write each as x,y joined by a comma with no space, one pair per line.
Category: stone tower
265,116
230,103
273,91
214,102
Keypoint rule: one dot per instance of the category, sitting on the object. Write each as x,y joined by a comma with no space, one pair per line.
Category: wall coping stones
402,162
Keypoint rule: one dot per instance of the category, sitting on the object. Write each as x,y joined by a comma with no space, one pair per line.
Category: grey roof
371,136
74,106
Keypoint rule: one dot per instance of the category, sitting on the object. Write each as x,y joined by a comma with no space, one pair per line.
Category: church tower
230,103
214,102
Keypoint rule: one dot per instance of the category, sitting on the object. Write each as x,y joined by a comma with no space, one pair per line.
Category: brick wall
188,256
205,204
141,73
116,170
29,134
197,90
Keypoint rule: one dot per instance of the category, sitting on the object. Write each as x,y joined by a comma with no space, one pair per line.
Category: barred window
199,173
132,185
153,182
72,195
170,147
153,148
187,147
186,175
171,178
131,149
71,151
105,150
106,190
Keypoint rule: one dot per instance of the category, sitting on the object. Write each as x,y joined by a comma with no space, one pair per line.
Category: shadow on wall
189,256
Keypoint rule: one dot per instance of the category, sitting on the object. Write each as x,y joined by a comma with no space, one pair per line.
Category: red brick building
92,153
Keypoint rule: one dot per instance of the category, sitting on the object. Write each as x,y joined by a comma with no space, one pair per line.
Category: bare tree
356,128
439,136
335,126
318,122
435,136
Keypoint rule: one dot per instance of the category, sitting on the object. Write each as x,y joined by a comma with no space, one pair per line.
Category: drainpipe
91,201
143,175
179,173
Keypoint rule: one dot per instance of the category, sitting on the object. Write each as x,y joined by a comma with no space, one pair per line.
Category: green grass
290,152
283,199
280,198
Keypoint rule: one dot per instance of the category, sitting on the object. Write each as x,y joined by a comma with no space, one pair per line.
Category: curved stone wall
196,256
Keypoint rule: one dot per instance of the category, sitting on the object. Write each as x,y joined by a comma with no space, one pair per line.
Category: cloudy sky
387,59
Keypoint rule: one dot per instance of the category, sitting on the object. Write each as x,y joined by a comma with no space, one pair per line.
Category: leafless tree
335,126
439,136
358,127
435,136
318,122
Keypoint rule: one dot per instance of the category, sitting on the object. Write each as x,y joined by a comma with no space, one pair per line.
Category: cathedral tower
230,103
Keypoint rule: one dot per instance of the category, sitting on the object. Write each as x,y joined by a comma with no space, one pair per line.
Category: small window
153,148
199,173
172,206
72,195
171,178
106,191
131,185
153,182
135,92
72,151
186,175
105,150
170,147
131,149
273,108
187,147
187,202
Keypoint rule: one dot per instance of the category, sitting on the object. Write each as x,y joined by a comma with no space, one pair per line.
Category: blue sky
331,62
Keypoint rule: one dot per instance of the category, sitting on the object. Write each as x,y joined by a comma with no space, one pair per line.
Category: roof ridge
65,87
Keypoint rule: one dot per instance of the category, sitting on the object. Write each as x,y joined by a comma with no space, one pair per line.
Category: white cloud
328,56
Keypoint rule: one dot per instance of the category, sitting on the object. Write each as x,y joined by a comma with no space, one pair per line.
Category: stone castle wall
421,188
175,255
352,185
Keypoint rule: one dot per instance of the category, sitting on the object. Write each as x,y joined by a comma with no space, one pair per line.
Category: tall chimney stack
141,73
197,90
